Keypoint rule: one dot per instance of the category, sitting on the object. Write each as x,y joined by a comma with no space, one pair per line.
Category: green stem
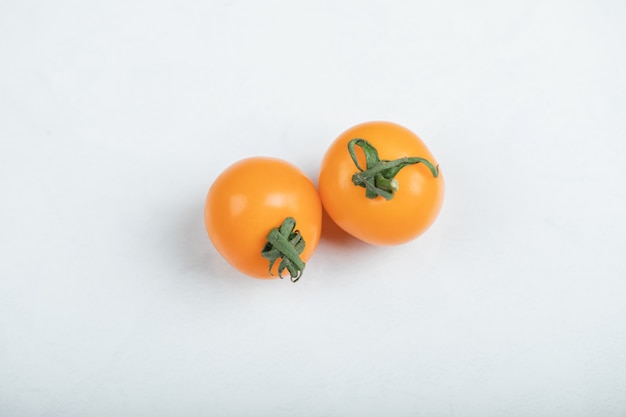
378,178
286,244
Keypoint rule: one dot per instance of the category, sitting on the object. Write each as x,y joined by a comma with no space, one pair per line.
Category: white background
115,117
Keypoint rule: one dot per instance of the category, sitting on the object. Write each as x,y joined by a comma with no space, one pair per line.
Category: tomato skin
251,197
411,211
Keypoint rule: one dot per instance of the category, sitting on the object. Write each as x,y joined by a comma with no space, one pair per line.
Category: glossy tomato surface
250,198
414,206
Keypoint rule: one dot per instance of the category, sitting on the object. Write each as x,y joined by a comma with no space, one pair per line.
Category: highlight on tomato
379,182
264,216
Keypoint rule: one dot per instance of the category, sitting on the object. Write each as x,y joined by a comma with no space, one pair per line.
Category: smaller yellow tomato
380,183
264,216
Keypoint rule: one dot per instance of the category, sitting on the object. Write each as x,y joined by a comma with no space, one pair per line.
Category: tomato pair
377,181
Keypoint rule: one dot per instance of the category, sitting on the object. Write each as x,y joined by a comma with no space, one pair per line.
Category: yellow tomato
380,183
264,216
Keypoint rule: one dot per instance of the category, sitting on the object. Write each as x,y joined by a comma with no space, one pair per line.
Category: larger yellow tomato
380,183
264,216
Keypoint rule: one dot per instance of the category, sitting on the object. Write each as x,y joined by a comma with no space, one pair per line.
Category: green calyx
287,244
378,177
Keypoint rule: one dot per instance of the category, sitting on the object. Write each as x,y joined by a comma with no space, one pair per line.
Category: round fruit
380,183
264,216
